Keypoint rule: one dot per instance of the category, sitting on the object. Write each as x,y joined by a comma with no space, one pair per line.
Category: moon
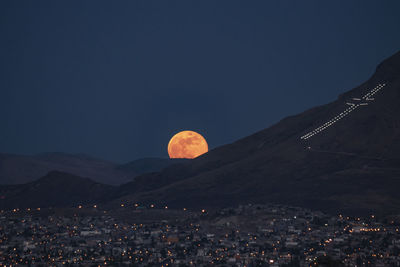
187,145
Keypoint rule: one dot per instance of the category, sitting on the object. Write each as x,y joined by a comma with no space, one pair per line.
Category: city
249,235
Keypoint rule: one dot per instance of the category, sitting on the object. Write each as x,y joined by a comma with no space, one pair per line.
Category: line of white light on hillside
347,111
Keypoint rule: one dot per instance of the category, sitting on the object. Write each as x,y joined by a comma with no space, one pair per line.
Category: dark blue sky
116,79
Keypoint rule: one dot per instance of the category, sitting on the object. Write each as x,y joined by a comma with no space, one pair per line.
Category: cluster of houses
250,235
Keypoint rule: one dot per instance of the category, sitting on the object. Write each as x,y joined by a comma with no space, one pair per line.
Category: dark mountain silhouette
343,156
340,157
147,165
18,169
56,189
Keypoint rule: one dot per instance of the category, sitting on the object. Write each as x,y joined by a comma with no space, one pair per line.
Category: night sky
116,79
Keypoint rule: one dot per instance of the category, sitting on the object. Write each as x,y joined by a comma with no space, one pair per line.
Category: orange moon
187,145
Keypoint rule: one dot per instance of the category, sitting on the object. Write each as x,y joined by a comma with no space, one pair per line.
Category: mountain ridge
343,156
19,169
56,189
275,164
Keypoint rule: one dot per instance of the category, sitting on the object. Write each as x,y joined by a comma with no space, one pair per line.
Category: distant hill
18,169
56,189
147,165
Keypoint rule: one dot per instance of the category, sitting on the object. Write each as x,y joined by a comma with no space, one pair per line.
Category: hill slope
56,189
147,165
343,156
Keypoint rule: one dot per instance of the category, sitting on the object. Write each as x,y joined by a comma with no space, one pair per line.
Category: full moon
187,145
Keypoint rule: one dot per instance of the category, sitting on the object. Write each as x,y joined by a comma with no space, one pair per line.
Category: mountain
56,189
340,157
147,165
18,169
